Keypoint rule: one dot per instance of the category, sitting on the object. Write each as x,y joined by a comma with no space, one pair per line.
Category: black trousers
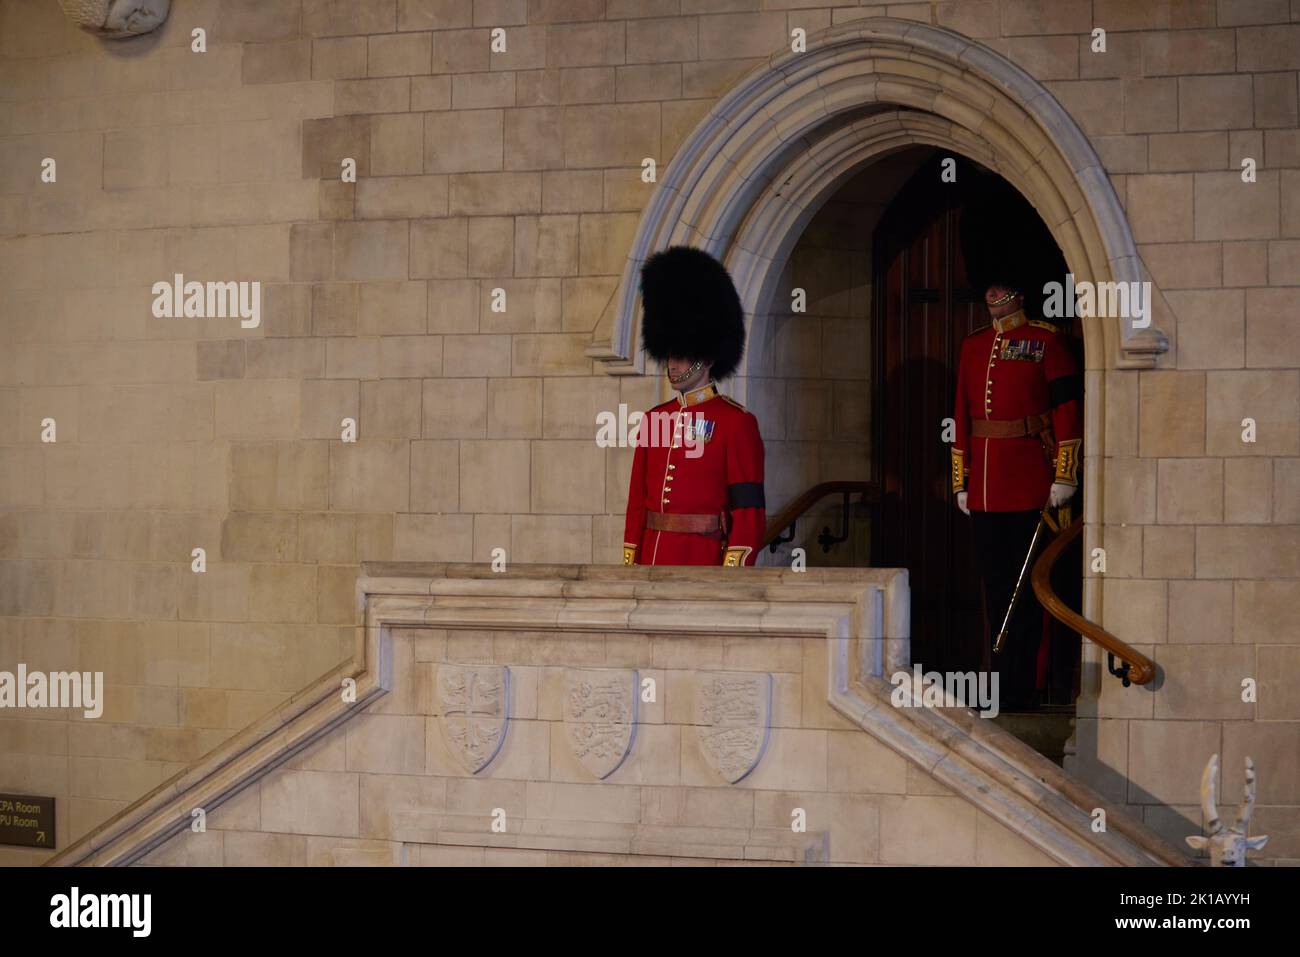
1001,541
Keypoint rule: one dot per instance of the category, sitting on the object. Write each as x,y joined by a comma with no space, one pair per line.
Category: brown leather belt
694,524
1009,428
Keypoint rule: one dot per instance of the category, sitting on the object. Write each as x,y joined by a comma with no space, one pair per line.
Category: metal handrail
786,518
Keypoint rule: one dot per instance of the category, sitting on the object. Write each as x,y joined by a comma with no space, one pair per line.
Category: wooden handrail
787,516
1140,668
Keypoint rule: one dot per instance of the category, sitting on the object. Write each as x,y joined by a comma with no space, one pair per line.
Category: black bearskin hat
1004,242
692,310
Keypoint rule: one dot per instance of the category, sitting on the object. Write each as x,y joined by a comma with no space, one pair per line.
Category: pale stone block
530,141
435,476
466,51
1275,100
603,240
434,14
1227,208
397,145
1213,102
453,307
401,197
326,143
1190,491
439,249
502,194
300,475
133,159
482,355
1248,551
385,744
410,357
1271,340
562,539
927,830
530,305
1135,610
662,40
1204,680
606,135
247,409
391,308
1178,152
1130,494
1160,208
1271,745
400,54
550,355
390,409
370,250
285,358
1159,769
374,538
454,408
334,308
490,533
1200,612
494,477
444,855
567,476
570,406
256,849
282,593
1269,48
1270,398
281,62
999,846
481,91
370,475
325,403
1211,335
546,246
1286,491
219,594
1277,669
338,58
1150,105
286,309
478,797
1282,264
322,18
1245,264
335,594
491,247
1247,490
430,93
572,191
858,762
538,88
514,408
1188,51
463,141
401,807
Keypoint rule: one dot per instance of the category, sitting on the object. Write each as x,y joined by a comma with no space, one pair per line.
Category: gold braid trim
958,470
1067,461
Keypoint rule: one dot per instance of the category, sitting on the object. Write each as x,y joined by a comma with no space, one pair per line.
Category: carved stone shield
733,710
600,716
474,701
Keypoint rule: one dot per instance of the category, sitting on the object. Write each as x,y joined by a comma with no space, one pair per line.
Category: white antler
1210,784
1248,806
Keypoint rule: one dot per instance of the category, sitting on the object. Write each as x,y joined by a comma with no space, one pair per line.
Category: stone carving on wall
1228,845
116,18
474,704
600,716
733,713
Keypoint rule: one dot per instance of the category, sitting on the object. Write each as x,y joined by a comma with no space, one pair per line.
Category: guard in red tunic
696,493
1019,427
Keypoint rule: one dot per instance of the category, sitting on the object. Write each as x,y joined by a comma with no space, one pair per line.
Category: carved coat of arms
474,701
733,711
600,716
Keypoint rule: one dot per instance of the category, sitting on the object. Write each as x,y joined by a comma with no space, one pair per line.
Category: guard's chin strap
687,374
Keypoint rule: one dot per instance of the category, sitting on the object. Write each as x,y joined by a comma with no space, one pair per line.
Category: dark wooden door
924,308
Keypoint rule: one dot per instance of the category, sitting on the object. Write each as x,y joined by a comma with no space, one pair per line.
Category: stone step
1045,730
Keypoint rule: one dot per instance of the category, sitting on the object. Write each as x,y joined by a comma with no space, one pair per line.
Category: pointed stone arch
778,144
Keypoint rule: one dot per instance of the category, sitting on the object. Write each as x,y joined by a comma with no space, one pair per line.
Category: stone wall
522,171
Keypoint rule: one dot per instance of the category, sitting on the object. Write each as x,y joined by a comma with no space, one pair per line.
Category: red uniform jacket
698,454
1010,371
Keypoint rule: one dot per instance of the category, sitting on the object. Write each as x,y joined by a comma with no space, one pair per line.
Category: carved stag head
1228,845
116,18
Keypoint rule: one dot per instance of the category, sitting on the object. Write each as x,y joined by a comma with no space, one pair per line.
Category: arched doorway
746,182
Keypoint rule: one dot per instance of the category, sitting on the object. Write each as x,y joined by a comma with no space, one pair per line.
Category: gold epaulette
727,398
1044,324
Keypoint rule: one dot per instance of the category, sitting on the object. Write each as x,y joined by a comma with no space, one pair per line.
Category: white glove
1060,494
961,502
